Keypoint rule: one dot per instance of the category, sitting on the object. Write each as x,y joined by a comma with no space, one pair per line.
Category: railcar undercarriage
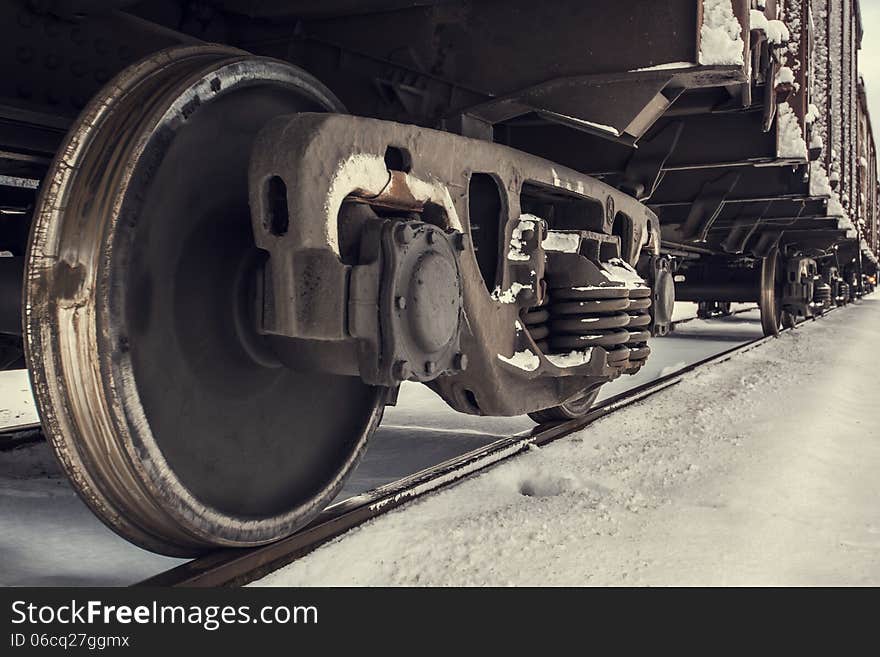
232,255
275,285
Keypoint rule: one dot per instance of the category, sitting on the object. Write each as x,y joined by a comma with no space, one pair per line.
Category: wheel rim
769,300
579,406
169,415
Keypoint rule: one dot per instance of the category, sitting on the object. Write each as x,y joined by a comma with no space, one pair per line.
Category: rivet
400,302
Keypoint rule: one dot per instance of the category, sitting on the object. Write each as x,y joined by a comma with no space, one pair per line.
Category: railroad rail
679,322
237,567
19,435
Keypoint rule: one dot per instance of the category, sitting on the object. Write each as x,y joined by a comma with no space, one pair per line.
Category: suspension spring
822,293
586,317
535,321
640,318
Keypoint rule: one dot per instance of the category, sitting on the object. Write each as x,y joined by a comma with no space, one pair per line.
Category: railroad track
691,319
19,435
237,567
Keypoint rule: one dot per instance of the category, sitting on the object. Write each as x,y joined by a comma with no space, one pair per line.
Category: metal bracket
766,243
645,167
707,206
740,233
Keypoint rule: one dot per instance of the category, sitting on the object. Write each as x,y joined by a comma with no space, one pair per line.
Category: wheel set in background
772,279
162,402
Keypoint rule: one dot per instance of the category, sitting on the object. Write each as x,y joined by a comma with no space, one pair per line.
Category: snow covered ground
47,536
760,470
16,400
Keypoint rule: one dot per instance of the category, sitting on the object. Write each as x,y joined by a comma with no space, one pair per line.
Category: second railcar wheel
172,420
570,410
770,293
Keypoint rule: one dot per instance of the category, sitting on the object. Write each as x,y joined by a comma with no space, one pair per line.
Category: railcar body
240,225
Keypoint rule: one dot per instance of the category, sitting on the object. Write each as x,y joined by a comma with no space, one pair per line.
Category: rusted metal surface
395,195
304,149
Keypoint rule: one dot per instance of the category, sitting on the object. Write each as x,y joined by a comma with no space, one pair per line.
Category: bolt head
430,367
460,241
460,361
400,302
401,370
431,237
404,234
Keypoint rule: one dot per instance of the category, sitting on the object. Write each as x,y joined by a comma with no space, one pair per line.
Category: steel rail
19,435
236,567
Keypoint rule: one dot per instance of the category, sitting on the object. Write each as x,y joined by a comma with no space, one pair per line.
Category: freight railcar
232,228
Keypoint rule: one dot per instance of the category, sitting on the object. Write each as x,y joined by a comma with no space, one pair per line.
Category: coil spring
578,318
535,321
842,293
640,320
822,293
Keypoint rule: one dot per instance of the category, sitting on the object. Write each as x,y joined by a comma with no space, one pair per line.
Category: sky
869,57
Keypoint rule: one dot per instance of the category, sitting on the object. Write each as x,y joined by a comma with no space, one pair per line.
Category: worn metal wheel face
170,416
769,299
570,410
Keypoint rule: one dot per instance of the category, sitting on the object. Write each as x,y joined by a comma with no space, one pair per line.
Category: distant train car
239,226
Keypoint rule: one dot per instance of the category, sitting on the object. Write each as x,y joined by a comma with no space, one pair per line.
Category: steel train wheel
570,410
770,297
170,416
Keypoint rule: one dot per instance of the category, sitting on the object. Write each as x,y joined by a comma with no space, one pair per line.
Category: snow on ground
48,536
16,400
760,470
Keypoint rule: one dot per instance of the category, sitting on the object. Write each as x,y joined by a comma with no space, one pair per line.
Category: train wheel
570,410
770,297
164,405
